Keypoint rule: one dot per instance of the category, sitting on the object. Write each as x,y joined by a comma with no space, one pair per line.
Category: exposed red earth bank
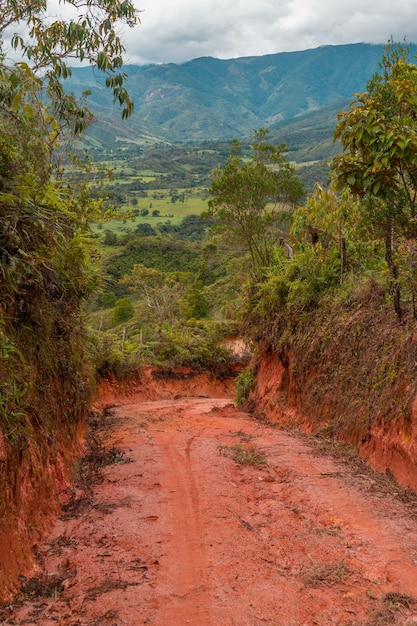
178,532
390,446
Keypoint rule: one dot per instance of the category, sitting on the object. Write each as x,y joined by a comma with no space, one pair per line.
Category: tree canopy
378,134
83,31
379,161
247,194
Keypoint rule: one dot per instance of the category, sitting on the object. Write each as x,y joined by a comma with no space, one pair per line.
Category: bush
106,300
110,361
110,238
122,311
194,344
244,385
145,230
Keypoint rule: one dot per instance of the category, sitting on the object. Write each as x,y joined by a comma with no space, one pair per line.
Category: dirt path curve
184,534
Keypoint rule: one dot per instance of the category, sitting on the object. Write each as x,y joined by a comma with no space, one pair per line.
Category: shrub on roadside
195,344
244,385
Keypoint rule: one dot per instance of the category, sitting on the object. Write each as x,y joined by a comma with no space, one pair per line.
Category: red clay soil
180,531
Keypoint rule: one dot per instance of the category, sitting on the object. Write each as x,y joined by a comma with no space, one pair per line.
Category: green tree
89,33
379,161
123,311
247,196
110,238
163,292
328,220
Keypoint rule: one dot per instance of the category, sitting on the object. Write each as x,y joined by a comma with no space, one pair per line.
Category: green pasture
125,221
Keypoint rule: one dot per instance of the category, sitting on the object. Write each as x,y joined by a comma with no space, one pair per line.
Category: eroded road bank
181,531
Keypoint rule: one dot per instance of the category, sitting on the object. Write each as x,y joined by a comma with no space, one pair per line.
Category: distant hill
211,99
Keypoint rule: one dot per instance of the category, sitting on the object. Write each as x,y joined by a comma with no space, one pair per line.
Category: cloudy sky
180,30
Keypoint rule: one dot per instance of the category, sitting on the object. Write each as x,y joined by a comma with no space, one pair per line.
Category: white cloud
186,29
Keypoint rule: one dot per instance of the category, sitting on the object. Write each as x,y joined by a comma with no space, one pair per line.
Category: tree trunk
393,271
343,257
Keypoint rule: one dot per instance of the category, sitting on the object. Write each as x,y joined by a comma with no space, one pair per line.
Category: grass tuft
244,454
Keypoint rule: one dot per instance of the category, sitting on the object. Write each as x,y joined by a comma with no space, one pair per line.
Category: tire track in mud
185,572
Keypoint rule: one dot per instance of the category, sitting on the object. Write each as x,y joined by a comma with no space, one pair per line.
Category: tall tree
379,161
161,291
248,193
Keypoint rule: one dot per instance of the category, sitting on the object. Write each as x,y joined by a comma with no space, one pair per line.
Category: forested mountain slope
209,99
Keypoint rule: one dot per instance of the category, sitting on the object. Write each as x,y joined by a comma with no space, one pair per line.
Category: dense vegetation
363,224
340,312
45,382
171,293
165,300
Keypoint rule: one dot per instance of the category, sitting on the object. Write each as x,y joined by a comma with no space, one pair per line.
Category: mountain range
210,99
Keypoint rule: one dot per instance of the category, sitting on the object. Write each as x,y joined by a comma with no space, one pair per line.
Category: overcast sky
179,30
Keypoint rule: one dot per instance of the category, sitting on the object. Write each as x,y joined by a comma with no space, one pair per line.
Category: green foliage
164,296
47,44
379,167
163,292
196,304
110,238
122,312
242,191
244,385
328,221
193,227
193,344
42,245
106,300
379,137
145,230
226,282
114,359
294,286
312,278
165,255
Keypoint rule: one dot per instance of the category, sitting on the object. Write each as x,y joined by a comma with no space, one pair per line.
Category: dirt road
213,519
